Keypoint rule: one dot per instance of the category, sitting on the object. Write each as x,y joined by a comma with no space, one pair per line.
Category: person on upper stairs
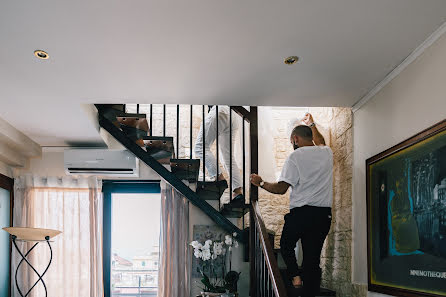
210,136
309,172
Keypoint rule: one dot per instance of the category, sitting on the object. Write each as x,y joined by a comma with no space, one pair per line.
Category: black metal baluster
254,152
164,120
217,148
243,222
137,108
264,275
230,154
262,272
259,256
151,121
244,157
190,140
204,147
178,131
268,286
252,253
256,259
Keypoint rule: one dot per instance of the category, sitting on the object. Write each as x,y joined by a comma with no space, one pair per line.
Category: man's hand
318,139
256,180
308,119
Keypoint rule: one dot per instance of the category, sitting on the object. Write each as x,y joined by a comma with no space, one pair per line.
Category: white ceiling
176,51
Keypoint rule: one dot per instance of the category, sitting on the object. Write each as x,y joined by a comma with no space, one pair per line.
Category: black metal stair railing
154,160
168,176
266,279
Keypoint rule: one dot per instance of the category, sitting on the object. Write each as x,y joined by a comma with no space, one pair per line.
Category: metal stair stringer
216,216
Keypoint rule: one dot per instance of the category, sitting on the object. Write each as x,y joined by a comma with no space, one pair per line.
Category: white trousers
210,133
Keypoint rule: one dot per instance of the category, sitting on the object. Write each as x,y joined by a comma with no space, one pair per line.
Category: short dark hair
302,131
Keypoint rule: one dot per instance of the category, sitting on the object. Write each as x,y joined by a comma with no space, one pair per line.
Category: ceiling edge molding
398,69
18,141
6,170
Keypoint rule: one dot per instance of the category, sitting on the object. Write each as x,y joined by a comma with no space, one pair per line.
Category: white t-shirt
309,172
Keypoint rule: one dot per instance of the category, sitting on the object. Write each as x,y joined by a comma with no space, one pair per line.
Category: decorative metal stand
31,235
47,239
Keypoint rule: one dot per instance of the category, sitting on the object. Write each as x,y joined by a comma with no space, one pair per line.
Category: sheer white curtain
175,258
73,206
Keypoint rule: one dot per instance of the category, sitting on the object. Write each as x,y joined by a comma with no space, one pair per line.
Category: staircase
134,132
158,151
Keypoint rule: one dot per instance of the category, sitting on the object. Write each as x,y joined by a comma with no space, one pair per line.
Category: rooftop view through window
135,244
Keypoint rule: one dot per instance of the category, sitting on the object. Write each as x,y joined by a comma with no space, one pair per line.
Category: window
131,238
5,245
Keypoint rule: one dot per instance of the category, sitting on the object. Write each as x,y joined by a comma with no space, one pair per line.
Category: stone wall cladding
335,124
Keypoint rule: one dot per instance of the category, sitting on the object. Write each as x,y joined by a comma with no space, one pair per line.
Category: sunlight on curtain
175,256
73,206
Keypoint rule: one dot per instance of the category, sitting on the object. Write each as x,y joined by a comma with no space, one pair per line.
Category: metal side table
36,235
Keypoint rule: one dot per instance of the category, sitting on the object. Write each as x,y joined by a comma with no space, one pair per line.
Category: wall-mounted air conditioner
103,162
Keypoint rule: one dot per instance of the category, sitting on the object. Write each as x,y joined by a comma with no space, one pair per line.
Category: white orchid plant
210,253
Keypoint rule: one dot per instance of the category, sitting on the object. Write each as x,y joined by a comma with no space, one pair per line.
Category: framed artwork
406,216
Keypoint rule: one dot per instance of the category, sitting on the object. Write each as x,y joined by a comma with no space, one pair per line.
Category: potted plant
216,281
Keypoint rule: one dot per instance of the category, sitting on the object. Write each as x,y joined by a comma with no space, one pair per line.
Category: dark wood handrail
270,260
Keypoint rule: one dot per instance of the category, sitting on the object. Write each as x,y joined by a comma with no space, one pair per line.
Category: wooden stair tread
121,114
211,190
186,169
117,110
155,138
231,211
133,132
159,147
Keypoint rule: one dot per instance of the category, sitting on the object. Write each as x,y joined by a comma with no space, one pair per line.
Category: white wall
412,102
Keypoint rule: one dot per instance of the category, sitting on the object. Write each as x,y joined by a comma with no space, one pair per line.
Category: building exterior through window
135,244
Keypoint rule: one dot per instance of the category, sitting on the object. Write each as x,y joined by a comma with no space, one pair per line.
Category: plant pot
210,294
227,294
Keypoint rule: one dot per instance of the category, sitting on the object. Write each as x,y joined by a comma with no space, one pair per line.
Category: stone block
359,290
343,120
343,219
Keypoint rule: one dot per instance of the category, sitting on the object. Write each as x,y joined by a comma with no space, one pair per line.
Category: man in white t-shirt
309,172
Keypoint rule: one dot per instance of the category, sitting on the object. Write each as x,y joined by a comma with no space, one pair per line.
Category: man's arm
275,188
318,139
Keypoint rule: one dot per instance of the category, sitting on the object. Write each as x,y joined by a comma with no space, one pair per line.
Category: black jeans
310,224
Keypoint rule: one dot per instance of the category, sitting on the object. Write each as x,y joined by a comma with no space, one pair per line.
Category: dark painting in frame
406,216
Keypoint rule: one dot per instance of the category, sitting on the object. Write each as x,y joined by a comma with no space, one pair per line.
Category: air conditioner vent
103,162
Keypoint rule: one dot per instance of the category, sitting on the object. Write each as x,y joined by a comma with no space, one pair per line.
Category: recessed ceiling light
291,60
41,54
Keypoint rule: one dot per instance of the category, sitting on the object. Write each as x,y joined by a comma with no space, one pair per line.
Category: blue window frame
113,187
6,207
